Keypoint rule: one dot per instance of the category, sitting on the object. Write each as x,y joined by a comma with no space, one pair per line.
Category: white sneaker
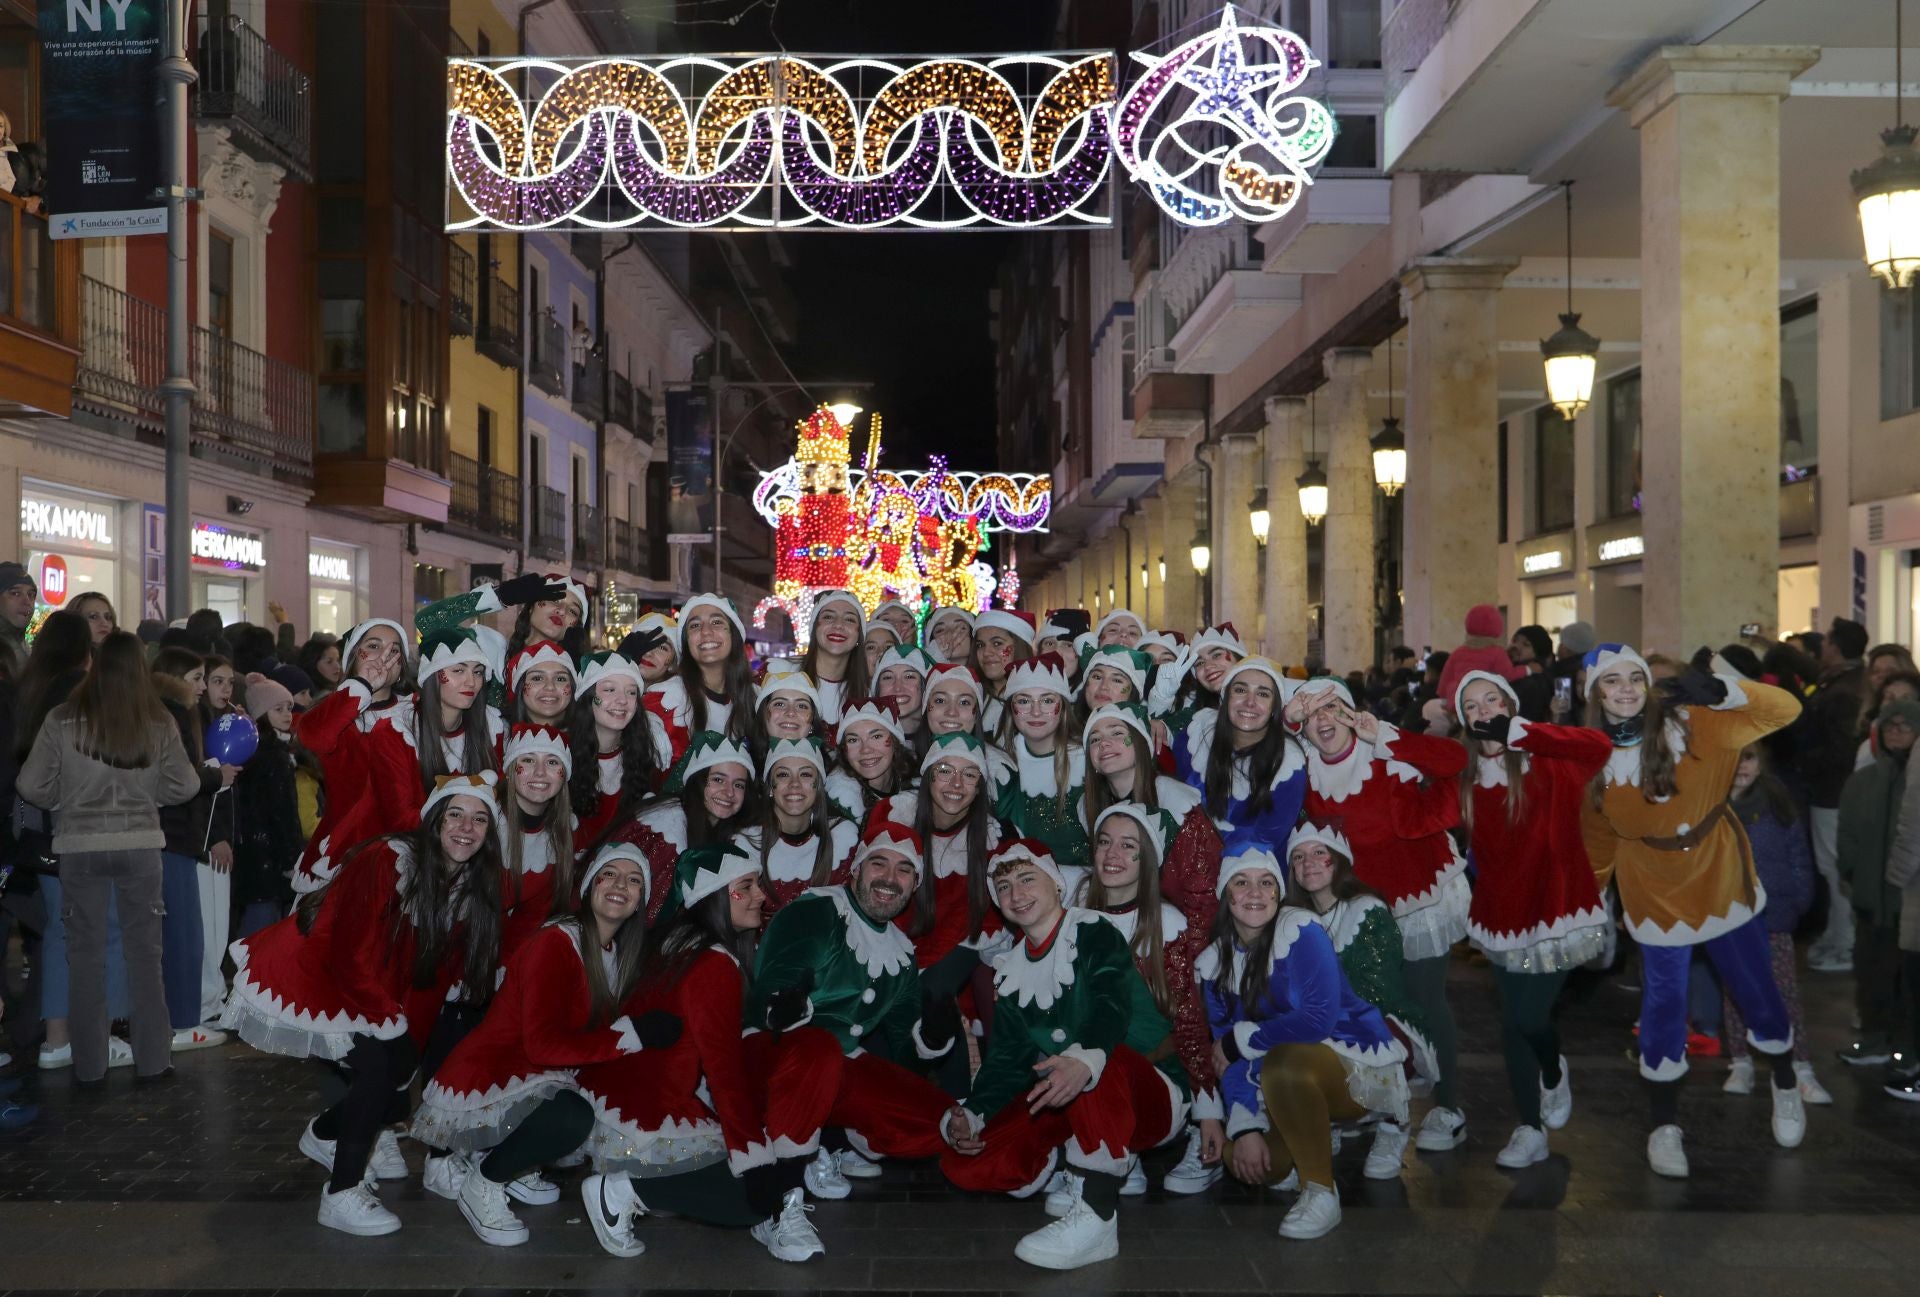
387,1162
613,1210
1811,1091
197,1038
1739,1077
320,1150
1528,1146
1135,1185
1076,1239
1556,1105
576,1158
824,1179
1830,959
356,1211
443,1176
533,1189
1389,1149
119,1052
1317,1213
484,1204
1789,1117
1063,1190
1443,1129
1289,1185
789,1235
1667,1153
54,1057
1192,1175
856,1167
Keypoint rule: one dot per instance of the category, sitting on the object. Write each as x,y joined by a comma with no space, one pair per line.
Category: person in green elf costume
1041,798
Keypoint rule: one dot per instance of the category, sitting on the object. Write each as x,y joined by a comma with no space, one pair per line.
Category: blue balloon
232,739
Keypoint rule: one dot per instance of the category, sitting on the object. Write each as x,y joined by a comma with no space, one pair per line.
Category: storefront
71,543
336,574
1616,550
229,569
1547,582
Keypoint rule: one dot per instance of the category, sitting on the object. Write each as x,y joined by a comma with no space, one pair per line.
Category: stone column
1452,520
1348,568
1709,124
1182,586
1236,555
1286,558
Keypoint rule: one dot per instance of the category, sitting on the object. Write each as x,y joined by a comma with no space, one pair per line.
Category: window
1623,445
1353,33
536,459
1800,388
483,435
343,316
1553,471
1355,146
430,584
219,283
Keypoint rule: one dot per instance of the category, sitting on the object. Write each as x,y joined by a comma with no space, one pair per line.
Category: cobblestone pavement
196,1185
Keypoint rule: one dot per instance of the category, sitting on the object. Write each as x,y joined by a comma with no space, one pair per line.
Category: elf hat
525,740
702,871
1250,860
1028,851
1603,657
700,601
708,749
359,633
912,657
1117,614
608,666
545,653
664,622
1325,834
1221,636
828,597
807,750
619,851
451,648
1158,825
957,747
876,712
888,627
888,835
950,673
479,785
1513,699
1318,687
888,605
787,680
1131,663
1283,688
1132,715
1045,673
1020,625
1159,639
939,615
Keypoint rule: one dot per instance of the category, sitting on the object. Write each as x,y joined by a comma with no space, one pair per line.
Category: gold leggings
1305,1087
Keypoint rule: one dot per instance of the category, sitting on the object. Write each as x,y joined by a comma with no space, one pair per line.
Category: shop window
1552,471
1799,389
1623,445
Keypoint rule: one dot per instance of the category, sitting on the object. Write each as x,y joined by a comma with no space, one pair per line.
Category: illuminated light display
1240,144
916,537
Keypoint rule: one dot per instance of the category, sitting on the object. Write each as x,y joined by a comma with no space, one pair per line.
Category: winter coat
1783,858
1825,738
267,838
1869,813
1903,866
102,807
189,826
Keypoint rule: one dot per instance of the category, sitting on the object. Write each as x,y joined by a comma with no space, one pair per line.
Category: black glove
939,1022
1493,729
642,642
1694,688
1230,1046
788,1008
657,1030
528,587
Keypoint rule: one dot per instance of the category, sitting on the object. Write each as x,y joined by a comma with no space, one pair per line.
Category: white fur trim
1649,933
1432,921
881,953
1671,1069
1243,1038
1039,982
1094,1059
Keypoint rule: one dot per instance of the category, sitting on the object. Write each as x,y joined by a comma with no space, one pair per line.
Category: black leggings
1528,1037
550,1132
378,1072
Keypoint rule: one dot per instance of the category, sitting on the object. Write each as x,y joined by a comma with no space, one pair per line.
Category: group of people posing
1029,898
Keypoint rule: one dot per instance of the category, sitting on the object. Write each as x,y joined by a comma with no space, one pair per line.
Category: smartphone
1563,689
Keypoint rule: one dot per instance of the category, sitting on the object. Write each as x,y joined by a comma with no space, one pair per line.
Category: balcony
1222,304
485,502
620,403
499,335
546,361
548,534
590,385
255,90
39,316
462,283
589,536
627,547
246,407
423,446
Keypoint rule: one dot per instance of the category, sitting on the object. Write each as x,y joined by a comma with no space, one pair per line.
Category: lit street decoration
768,141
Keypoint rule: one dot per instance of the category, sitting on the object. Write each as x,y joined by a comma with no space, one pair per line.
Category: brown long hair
559,834
1657,757
1099,794
477,752
1516,767
629,950
116,707
1345,887
979,899
821,827
1062,750
1148,940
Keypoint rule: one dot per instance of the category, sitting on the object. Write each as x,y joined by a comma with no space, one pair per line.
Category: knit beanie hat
291,678
1485,621
264,694
1578,637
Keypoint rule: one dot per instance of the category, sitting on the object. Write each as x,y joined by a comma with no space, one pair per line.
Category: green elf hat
706,750
1157,825
702,871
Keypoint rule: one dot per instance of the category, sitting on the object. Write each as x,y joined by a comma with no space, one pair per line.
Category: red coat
525,1050
526,908
652,1112
1536,888
359,777
600,818
310,995
1395,800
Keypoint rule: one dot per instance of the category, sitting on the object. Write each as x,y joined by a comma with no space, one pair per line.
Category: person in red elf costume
712,688
541,682
536,832
624,738
799,841
710,796
1394,796
380,972
1537,912
680,1129
508,1086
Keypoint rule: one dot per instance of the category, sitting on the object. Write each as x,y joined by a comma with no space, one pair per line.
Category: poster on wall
689,467
99,62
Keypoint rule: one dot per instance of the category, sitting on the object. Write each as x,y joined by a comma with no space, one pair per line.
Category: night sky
907,310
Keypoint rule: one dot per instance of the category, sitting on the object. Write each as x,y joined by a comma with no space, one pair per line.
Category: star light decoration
915,537
1253,143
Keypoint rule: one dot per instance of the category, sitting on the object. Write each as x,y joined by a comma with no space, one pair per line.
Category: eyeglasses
969,775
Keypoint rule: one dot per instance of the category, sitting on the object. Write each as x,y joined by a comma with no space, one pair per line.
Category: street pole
176,74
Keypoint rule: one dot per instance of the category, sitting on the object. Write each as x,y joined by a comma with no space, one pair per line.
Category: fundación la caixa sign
1216,127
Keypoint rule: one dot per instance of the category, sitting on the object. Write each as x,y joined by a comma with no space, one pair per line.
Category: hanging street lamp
1259,517
1201,552
1572,354
1887,191
1389,445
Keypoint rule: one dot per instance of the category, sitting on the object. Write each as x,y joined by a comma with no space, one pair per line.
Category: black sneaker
1904,1084
1864,1054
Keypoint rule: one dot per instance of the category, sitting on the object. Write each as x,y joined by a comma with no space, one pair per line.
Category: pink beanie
263,695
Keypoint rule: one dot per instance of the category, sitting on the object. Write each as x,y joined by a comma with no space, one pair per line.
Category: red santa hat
545,653
1029,851
890,835
874,712
1021,625
956,673
525,740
